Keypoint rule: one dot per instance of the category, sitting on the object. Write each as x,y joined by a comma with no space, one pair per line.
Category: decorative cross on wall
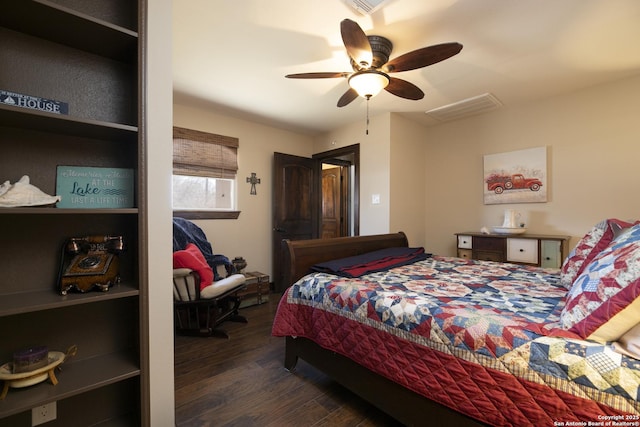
253,179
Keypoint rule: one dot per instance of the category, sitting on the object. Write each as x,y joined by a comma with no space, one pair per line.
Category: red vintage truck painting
500,183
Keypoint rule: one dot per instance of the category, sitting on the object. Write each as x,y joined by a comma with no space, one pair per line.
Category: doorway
348,160
298,200
334,212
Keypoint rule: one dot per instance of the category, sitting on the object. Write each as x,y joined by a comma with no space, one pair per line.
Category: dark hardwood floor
241,382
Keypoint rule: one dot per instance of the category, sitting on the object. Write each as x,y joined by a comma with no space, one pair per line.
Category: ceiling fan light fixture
368,83
369,56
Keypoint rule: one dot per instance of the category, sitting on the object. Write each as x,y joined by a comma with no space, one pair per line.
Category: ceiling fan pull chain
368,97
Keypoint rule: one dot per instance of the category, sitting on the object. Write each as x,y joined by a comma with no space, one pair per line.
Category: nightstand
534,249
257,291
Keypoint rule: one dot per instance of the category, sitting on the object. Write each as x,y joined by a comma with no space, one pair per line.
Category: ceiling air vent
366,7
465,108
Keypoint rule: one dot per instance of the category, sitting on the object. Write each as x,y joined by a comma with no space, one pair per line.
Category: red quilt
481,338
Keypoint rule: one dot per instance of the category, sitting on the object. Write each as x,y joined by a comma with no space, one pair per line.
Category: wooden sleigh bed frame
401,403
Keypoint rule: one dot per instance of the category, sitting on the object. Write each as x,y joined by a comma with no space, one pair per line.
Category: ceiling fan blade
316,75
357,43
404,89
347,97
422,57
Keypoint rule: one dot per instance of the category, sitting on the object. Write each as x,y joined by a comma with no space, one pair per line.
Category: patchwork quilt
482,338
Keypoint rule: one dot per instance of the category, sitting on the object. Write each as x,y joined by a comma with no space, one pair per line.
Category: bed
451,341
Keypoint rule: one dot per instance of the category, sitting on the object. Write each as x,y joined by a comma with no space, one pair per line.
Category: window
204,174
197,192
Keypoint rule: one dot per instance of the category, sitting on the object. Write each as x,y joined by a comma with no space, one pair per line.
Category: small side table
257,291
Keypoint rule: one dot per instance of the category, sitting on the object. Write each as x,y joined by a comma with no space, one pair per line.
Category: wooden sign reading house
93,188
33,102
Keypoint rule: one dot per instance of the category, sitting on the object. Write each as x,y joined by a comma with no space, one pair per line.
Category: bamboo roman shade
198,153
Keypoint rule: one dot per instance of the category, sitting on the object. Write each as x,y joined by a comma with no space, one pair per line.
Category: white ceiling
231,56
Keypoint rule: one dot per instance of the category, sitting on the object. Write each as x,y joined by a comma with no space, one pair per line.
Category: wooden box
257,291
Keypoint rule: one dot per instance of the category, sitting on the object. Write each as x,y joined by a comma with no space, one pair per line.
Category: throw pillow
191,257
591,244
603,302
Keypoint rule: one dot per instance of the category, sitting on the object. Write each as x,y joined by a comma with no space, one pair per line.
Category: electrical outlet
43,414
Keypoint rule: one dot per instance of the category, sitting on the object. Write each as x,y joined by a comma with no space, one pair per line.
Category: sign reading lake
94,188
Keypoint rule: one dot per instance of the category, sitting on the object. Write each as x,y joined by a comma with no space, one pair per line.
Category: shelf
75,377
26,302
119,422
45,19
89,55
18,117
65,211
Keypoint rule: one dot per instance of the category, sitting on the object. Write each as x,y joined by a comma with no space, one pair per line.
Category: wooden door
295,206
349,158
335,181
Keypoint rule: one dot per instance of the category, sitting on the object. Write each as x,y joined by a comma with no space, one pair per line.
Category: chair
199,310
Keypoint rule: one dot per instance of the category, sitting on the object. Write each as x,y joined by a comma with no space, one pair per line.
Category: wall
407,184
391,166
159,148
592,139
593,149
250,235
374,168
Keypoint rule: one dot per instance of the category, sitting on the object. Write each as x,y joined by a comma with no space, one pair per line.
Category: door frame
350,153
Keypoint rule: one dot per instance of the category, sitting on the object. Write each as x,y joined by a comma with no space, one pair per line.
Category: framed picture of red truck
516,177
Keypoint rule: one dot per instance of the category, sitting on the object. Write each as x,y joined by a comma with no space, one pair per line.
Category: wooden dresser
535,249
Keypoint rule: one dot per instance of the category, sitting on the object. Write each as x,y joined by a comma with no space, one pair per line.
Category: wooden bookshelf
88,55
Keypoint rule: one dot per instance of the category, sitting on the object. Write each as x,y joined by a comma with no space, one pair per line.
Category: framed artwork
516,177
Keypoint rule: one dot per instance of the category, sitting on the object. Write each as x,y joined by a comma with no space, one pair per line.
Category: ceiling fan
371,66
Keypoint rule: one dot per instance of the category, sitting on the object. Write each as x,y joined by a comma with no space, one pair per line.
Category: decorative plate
24,379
